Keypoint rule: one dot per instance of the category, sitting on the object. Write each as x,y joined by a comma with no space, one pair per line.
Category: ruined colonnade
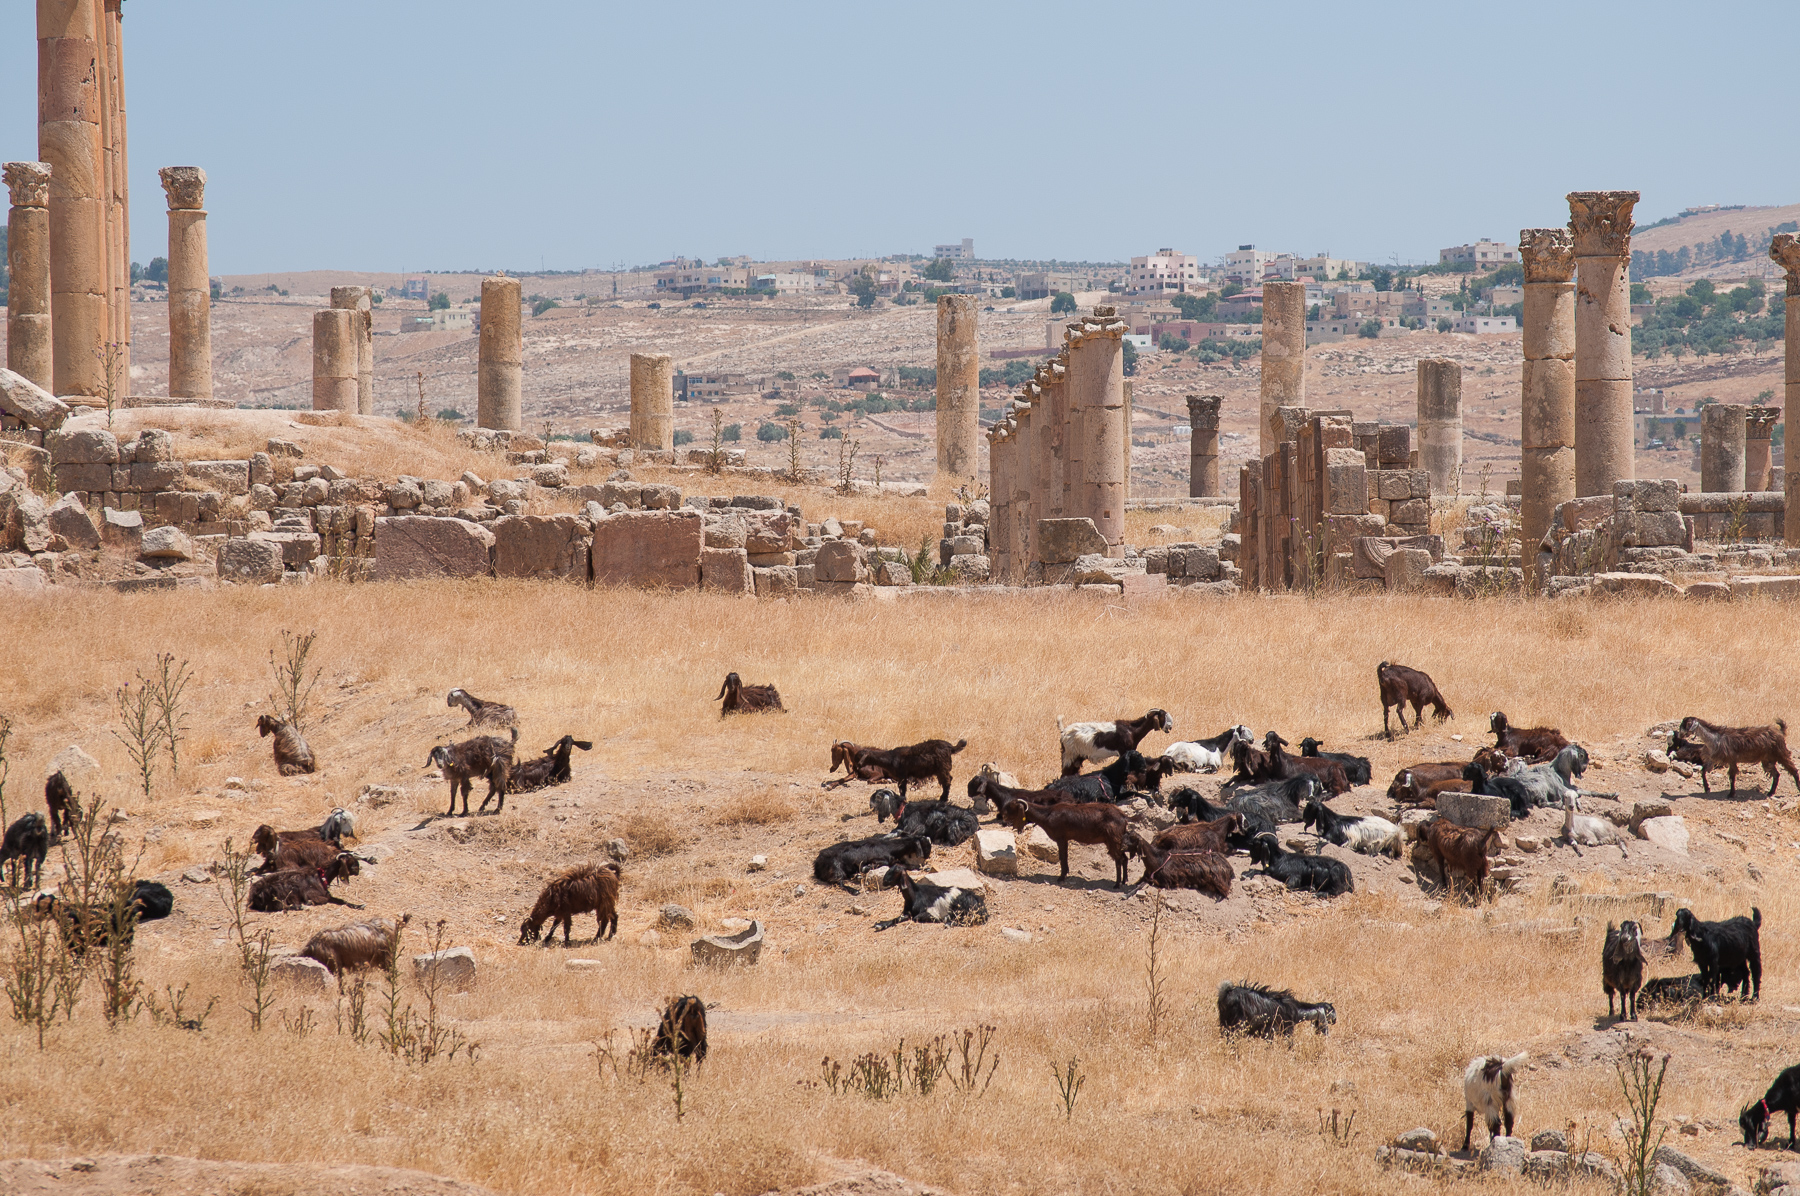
1283,356
334,360
360,303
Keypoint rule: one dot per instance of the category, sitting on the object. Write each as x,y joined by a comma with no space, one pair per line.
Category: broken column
28,261
1601,223
1785,249
190,285
334,361
1547,382
501,372
1440,423
360,302
1722,448
1096,385
1283,355
958,387
1759,431
1203,448
652,402
999,524
1058,448
69,96
1024,481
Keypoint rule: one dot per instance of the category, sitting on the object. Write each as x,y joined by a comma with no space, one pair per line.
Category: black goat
1723,947
925,902
885,804
1131,772
1187,803
1356,768
1672,990
1518,795
60,799
1315,873
1783,1096
27,843
152,900
1622,968
299,887
483,756
841,862
1275,801
944,824
1284,767
551,768
1263,1012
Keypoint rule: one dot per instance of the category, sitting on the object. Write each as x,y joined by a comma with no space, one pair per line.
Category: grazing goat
747,699
152,900
483,756
944,824
840,862
682,1030
1464,848
1357,768
369,944
922,901
1622,968
1330,773
1783,1096
1316,874
1724,947
1488,1090
1204,755
1728,747
1369,835
583,889
1275,801
487,714
281,891
1171,867
1074,822
60,799
1189,804
1579,829
1535,744
1264,1012
924,761
1401,686
1100,742
27,843
551,768
886,804
849,756
292,757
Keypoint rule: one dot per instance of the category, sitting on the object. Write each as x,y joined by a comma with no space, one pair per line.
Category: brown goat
483,756
1202,870
1075,822
1411,785
1538,745
682,1030
1201,836
848,756
302,886
292,757
367,944
924,761
747,699
282,854
1728,747
582,889
1400,687
487,714
1464,848
1250,764
1284,767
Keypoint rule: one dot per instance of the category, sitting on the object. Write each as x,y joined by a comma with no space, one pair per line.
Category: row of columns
1785,249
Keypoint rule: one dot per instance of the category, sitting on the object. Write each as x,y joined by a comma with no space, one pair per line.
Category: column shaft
28,351
69,71
958,387
1759,425
1440,423
1283,355
334,361
190,286
360,301
1601,224
1097,388
1785,249
1547,383
652,402
500,373
1203,448
1024,486
1722,448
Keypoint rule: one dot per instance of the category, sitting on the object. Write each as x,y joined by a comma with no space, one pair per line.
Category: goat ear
584,744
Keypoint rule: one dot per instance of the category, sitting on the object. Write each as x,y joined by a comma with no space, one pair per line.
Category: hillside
1658,252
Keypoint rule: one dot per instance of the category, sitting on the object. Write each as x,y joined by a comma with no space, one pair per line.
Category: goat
483,756
26,844
747,699
1074,822
60,799
1519,795
1584,828
985,790
1275,801
1672,990
280,891
1622,968
922,901
281,854
1369,835
1187,803
1168,866
1356,768
1214,834
1728,747
1130,772
944,824
1264,1012
1100,742
1317,874
1721,947
1204,755
849,756
488,714
1248,764
583,889
885,804
292,757
1400,686
837,864
1464,848
369,944
1488,1090
1420,784
551,768
994,773
1783,1096
682,1030
151,900
1330,773
926,760
1535,744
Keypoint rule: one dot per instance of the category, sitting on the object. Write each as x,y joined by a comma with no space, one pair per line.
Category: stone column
1203,448
1024,483
1126,468
190,285
958,387
1283,355
360,302
999,523
1058,448
1440,423
116,192
501,373
1097,405
1785,249
28,261
1759,430
1722,448
1601,223
652,402
69,69
334,360
1547,382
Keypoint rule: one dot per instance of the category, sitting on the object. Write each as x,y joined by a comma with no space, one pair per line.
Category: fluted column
1722,448
1785,249
115,191
28,350
500,376
1547,381
69,98
958,387
360,302
1024,481
1440,423
190,285
1097,394
652,402
1759,429
334,361
1203,448
1601,224
1283,355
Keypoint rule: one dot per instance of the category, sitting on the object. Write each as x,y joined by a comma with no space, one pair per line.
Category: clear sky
453,134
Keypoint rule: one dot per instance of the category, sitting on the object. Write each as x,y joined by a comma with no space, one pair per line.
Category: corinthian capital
1548,254
29,183
1203,411
186,187
1601,221
1785,249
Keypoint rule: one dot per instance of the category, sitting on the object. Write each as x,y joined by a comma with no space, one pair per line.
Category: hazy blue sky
402,135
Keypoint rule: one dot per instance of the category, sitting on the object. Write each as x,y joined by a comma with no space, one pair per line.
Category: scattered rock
617,851
69,519
1014,936
1690,1168
1421,1139
1528,844
1656,761
744,947
1666,1181
201,819
1037,844
996,852
166,543
1653,808
197,876
758,863
1670,833
1503,1154
453,967
81,770
584,965
307,974
380,795
675,917
1683,769
963,878
650,939
1549,1140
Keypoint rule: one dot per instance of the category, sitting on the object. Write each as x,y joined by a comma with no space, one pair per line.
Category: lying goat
551,768
1264,1012
944,824
921,901
1205,755
1189,804
841,862
1369,835
1311,873
1275,801
1536,744
747,699
292,757
296,887
1585,830
1169,865
1357,768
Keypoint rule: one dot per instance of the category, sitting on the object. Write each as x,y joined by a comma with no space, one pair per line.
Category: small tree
864,288
159,270
292,698
438,302
940,270
1061,302
1371,329
142,725
770,433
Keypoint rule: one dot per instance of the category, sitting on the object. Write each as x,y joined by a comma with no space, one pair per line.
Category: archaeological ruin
190,285
958,387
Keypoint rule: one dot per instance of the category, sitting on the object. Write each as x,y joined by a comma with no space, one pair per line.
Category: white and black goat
1488,1090
1100,742
1369,835
922,901
1205,755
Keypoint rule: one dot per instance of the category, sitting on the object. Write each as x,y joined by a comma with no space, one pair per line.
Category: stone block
781,581
660,498
893,573
262,469
550,477
1393,445
84,479
757,502
1038,845
453,968
1063,541
307,975
1342,531
416,546
1469,809
544,547
727,533
742,948
967,545
611,494
1391,485
1635,585
996,852
973,569
159,475
121,530
69,519
1411,512
297,548
250,562
804,574
1405,570
768,560
1143,585
727,571
83,446
26,580
854,590
1649,529
227,477
649,548
1662,495
30,403
1346,489
1765,587
841,561
165,543
771,531
1504,1154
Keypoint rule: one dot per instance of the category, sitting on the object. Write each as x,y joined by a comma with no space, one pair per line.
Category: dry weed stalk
715,458
1641,1080
143,729
793,429
1068,1085
292,698
171,680
1155,973
847,464
6,730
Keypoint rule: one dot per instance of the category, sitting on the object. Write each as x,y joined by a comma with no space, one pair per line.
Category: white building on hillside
956,253
1164,272
1246,264
1483,255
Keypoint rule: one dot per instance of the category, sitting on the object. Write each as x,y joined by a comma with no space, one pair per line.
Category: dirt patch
169,1175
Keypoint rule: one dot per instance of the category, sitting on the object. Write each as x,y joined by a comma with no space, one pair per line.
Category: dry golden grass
761,807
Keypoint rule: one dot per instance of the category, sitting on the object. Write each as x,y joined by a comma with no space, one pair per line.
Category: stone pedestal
190,286
1440,423
1547,383
958,387
652,402
1759,431
28,262
1722,448
500,374
1785,249
1096,382
1601,224
70,63
334,361
1283,355
361,302
1203,449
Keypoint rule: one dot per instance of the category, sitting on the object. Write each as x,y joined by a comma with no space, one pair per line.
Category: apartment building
1164,272
692,278
956,253
1482,255
1246,263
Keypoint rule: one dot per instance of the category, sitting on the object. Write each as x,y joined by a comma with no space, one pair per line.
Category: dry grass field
1420,985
